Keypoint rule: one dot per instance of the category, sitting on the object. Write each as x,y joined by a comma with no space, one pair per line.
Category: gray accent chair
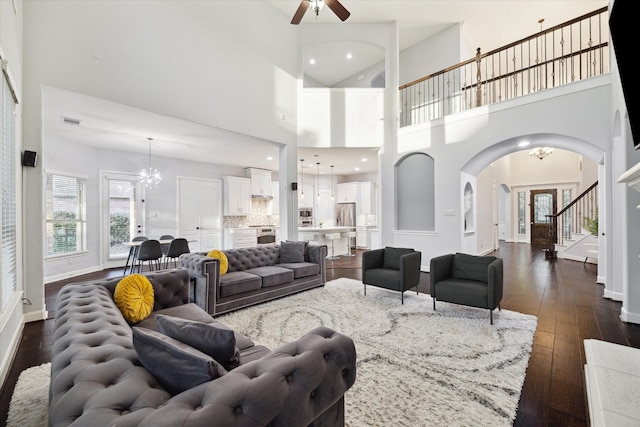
397,269
471,280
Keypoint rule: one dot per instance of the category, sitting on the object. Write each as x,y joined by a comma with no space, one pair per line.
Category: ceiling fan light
317,6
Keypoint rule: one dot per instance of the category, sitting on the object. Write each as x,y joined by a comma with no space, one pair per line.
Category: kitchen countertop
327,228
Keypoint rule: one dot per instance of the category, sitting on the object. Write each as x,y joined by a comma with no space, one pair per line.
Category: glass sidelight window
522,227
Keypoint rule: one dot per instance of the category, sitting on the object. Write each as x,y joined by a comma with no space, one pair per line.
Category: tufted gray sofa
97,379
254,275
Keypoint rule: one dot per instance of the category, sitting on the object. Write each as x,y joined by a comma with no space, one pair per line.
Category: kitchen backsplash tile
259,216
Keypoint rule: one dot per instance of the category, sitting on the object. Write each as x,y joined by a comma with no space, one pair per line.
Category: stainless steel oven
305,217
266,235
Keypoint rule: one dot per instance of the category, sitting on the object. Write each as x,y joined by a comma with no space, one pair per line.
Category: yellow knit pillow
224,262
134,297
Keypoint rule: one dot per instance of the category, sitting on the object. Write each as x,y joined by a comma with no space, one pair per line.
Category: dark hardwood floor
562,294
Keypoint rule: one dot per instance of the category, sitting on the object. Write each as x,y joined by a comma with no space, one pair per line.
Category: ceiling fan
316,5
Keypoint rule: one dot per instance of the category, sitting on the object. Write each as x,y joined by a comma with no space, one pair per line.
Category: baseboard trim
616,296
70,274
35,316
628,317
9,355
601,280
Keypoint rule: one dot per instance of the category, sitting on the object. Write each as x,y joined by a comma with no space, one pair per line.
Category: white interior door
211,215
200,212
123,215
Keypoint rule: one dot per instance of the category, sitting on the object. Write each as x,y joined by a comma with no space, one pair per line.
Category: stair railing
569,52
571,219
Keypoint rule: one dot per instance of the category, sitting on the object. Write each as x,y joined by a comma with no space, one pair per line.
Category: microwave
306,213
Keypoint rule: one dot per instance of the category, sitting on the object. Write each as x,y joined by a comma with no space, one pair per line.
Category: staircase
573,241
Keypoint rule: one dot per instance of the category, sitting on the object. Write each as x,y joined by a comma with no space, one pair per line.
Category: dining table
136,244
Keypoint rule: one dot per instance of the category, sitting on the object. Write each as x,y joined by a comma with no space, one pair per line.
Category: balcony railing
569,52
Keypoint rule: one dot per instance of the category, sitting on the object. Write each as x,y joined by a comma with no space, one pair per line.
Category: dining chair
151,252
133,253
165,246
177,247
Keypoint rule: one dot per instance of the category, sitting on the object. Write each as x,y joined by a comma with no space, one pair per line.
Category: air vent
70,121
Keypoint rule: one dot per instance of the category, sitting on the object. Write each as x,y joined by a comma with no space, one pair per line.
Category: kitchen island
319,234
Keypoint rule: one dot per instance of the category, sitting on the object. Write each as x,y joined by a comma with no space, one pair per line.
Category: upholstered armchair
397,269
471,280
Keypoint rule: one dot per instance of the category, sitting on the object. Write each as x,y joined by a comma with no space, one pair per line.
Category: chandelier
150,177
541,152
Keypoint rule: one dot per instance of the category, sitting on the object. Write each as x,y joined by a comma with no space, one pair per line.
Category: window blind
8,177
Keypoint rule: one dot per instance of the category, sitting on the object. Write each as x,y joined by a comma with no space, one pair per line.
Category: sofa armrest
410,269
291,386
439,269
496,273
317,254
205,275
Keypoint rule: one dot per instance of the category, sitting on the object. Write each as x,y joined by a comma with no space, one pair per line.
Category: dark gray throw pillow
291,251
213,339
176,366
392,257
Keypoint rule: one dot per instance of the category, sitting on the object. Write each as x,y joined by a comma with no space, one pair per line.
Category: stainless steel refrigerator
346,214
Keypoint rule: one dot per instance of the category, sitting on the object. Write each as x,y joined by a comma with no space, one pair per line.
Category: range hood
260,183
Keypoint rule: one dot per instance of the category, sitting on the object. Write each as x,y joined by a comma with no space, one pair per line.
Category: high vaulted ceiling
488,24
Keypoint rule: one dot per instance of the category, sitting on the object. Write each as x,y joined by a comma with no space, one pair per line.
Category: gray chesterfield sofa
254,275
98,380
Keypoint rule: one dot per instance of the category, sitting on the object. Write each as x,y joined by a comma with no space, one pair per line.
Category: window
66,226
521,214
8,207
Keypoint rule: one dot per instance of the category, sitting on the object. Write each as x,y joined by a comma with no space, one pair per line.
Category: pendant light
302,178
150,177
318,188
331,182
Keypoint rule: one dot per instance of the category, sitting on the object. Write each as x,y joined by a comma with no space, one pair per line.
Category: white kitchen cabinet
348,192
361,237
367,202
260,182
274,204
235,238
237,195
308,200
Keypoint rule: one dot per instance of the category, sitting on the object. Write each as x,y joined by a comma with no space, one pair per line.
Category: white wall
431,55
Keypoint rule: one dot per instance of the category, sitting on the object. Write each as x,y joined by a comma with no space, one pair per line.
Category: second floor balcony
569,52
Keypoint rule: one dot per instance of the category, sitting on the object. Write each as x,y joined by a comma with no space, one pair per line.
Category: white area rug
416,366
30,400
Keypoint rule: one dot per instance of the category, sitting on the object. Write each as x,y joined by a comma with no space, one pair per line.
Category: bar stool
332,237
349,235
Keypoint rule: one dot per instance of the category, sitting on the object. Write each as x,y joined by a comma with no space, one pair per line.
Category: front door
543,203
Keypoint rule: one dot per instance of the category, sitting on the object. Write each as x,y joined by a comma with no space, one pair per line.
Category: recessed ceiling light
349,56
364,159
524,144
356,169
269,158
312,61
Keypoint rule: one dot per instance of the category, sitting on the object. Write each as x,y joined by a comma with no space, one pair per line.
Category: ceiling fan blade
338,9
297,17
